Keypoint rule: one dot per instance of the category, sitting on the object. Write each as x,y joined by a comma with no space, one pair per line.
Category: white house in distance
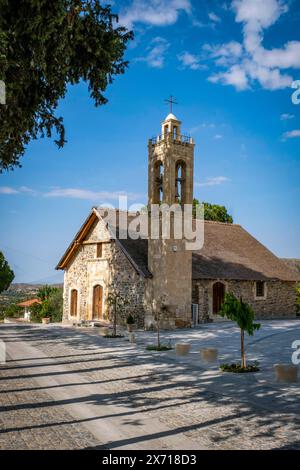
27,304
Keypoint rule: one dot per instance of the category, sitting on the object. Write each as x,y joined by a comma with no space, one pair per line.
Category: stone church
144,270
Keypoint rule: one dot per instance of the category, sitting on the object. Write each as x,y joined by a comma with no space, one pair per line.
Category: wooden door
218,296
74,298
97,302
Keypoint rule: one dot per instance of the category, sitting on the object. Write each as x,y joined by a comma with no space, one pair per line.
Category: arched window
73,303
180,178
158,182
218,296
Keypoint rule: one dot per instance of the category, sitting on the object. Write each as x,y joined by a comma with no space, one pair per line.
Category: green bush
12,311
130,320
36,313
51,307
162,347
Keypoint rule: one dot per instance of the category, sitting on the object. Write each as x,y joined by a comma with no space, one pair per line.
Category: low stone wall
279,301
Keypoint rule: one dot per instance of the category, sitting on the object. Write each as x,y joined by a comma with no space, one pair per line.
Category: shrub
51,307
162,347
13,310
130,320
237,368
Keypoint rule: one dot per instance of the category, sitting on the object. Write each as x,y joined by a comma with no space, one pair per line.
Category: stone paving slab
156,400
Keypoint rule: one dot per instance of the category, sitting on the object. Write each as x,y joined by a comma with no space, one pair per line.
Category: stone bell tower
170,182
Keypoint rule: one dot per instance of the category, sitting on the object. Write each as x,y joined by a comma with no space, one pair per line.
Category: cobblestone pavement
71,388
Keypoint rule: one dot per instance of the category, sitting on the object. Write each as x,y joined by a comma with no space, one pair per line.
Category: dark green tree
6,273
238,311
214,212
46,45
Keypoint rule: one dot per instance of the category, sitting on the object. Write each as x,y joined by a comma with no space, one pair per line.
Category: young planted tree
6,274
116,301
45,47
159,316
161,312
236,310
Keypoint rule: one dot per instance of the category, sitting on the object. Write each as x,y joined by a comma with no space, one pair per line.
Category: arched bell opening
180,183
158,182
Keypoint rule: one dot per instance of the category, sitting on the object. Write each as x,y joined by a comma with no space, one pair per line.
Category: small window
99,250
260,289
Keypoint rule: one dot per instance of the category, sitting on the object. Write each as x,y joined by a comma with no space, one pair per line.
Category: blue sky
230,65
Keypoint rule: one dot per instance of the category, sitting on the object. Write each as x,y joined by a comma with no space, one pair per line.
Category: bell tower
170,182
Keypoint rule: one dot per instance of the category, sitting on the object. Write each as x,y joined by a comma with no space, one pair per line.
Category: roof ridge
221,223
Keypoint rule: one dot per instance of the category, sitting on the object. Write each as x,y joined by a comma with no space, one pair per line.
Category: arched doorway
73,303
218,296
97,302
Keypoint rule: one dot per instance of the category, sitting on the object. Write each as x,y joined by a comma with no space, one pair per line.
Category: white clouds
286,117
218,137
224,54
270,79
70,193
250,62
257,14
213,17
156,53
22,189
86,194
154,12
191,61
291,134
7,190
284,58
214,181
235,76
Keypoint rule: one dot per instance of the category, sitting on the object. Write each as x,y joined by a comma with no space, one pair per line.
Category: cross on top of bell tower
171,101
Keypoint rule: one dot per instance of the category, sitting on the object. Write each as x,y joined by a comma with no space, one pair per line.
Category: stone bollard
131,337
209,354
287,373
182,349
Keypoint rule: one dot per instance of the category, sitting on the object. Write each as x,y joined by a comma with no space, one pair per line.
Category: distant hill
18,292
20,287
293,263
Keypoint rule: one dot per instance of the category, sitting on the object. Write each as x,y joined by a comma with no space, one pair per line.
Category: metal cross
172,101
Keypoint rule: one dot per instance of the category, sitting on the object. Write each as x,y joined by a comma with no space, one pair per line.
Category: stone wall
279,301
86,270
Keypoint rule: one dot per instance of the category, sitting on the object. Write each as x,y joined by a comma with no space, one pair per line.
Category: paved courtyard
68,388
